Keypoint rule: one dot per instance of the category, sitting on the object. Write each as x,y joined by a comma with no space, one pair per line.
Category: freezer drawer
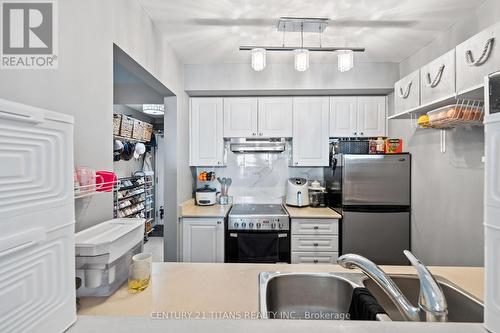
378,236
376,180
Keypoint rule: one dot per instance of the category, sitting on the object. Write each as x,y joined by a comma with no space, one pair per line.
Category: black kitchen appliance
258,233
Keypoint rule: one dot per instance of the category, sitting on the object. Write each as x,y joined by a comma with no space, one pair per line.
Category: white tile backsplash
260,177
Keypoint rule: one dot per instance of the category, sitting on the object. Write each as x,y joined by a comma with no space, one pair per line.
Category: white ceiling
210,31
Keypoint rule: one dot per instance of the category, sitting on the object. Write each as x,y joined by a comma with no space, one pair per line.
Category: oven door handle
235,235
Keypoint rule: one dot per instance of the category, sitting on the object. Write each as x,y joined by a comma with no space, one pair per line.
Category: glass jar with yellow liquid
139,275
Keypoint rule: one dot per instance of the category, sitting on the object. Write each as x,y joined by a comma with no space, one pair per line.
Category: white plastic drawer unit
314,257
437,79
315,226
315,243
477,57
37,262
407,92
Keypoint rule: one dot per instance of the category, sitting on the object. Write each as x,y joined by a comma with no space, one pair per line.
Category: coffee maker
333,177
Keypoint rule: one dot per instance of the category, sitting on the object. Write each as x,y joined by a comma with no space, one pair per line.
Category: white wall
82,85
447,188
282,79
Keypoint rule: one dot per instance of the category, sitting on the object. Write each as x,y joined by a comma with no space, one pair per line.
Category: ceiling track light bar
312,49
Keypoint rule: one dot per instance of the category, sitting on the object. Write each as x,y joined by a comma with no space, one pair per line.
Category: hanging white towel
148,162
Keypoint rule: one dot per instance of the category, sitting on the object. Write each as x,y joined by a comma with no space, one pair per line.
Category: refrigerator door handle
20,241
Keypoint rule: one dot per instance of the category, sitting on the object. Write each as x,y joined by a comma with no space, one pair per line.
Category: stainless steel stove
258,217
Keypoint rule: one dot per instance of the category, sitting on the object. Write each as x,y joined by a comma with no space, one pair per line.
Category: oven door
257,247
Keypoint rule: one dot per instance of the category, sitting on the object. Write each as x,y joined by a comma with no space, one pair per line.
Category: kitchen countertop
122,324
312,213
205,288
189,209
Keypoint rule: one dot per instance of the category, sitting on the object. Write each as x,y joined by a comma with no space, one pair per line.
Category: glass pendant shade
301,59
345,60
258,59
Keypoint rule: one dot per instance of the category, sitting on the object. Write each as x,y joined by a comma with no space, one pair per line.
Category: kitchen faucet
431,303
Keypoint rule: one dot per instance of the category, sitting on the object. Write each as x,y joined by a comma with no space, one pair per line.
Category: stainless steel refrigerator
376,207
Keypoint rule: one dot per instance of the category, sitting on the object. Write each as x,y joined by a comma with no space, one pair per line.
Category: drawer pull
315,261
404,94
316,227
315,244
488,47
434,83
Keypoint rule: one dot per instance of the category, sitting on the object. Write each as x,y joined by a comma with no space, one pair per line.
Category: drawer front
315,227
317,243
314,257
478,57
437,79
407,92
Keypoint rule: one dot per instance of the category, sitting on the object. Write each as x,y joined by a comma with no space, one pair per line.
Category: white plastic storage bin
437,78
103,254
407,92
37,284
477,57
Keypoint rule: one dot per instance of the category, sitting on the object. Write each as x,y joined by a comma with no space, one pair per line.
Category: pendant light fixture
345,55
345,60
301,55
258,59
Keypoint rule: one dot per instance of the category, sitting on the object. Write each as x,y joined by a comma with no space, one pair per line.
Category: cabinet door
437,79
275,117
206,141
310,131
240,117
478,57
407,92
343,117
371,116
203,240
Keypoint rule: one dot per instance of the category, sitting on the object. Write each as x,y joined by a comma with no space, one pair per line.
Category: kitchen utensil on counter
139,275
206,196
297,192
317,195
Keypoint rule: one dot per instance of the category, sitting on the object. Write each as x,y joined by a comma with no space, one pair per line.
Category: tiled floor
155,246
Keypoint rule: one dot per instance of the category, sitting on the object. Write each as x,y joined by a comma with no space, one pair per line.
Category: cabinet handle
355,133
254,134
260,134
315,261
362,133
316,227
219,222
315,244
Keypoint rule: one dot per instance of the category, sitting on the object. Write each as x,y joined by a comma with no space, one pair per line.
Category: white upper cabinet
275,117
478,57
343,116
206,140
240,117
371,116
437,78
310,131
407,92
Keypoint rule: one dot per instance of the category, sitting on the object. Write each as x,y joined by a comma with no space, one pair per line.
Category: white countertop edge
131,324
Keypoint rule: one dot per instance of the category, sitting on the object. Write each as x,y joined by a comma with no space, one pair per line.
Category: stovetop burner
258,217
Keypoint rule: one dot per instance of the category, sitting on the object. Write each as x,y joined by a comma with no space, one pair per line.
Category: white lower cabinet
203,240
314,257
315,241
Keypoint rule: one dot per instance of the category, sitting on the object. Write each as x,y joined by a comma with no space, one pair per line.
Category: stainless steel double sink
328,296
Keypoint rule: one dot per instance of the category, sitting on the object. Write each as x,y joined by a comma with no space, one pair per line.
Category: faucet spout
432,304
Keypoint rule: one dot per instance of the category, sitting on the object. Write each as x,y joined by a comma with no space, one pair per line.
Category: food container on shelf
103,255
459,114
393,146
126,126
117,120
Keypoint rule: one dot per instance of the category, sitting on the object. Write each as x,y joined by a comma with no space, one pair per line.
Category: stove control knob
250,225
273,225
236,224
243,224
258,225
280,226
